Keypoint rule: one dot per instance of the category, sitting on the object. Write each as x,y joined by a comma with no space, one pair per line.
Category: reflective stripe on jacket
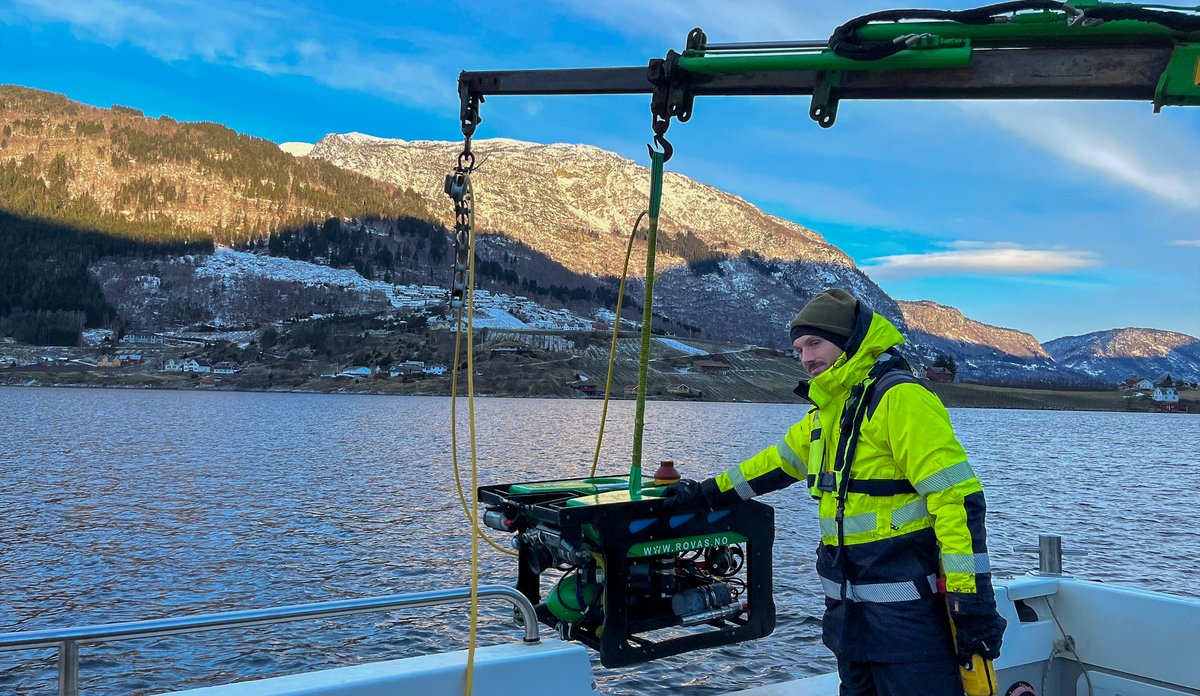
913,502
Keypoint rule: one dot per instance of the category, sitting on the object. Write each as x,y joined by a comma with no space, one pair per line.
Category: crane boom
1026,49
1128,73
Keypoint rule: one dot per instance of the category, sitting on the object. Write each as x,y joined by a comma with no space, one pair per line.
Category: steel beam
1109,73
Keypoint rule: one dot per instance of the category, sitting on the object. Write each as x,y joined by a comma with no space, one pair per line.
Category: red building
939,374
712,366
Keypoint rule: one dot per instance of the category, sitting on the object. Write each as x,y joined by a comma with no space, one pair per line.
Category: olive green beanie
830,315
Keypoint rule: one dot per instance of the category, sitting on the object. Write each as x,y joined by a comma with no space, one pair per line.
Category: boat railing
1050,552
68,640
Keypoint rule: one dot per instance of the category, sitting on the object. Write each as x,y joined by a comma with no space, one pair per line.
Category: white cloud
1126,143
671,21
724,21
1186,243
973,258
1131,146
532,107
272,38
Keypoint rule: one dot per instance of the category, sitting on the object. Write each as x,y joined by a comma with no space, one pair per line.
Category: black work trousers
926,678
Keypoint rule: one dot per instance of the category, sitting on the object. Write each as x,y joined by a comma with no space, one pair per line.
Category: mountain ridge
554,220
722,263
1119,354
724,273
578,187
949,323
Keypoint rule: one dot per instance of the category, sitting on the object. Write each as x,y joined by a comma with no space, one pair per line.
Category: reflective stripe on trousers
879,591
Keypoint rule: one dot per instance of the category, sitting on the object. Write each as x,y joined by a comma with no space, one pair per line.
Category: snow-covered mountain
984,353
949,325
313,237
726,267
577,203
1118,354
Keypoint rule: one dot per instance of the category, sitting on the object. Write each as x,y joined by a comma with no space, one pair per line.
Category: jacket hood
872,336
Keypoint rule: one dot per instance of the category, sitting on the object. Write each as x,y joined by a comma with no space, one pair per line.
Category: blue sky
1050,217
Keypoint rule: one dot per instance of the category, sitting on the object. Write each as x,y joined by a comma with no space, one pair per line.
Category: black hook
667,148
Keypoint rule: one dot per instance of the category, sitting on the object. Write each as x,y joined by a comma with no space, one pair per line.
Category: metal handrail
67,640
1050,553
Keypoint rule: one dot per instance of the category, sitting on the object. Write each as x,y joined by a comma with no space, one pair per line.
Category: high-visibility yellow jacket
911,503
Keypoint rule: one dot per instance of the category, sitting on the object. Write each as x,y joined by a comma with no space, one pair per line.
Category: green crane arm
1029,49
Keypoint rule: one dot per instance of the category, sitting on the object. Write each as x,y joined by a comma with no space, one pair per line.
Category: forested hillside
78,183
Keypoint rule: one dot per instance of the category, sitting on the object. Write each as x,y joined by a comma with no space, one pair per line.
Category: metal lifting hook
660,126
469,118
667,148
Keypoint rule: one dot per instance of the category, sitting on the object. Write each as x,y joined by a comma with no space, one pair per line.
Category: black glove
978,634
684,494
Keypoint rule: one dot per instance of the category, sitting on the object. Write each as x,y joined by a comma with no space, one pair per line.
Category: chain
458,187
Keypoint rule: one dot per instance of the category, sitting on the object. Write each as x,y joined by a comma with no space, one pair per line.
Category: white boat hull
500,670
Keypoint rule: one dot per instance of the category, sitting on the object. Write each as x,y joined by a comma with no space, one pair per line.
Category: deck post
68,668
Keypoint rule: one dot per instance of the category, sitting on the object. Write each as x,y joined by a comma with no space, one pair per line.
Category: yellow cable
454,439
473,520
474,458
462,500
472,513
612,351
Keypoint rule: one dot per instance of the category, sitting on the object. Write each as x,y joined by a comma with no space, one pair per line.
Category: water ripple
125,505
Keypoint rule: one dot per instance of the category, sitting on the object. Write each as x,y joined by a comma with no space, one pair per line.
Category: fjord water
123,505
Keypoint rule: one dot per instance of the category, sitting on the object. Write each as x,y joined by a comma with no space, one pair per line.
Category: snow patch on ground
93,337
498,311
227,264
677,345
491,310
296,149
495,318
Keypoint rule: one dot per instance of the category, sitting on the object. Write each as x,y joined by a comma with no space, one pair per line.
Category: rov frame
627,537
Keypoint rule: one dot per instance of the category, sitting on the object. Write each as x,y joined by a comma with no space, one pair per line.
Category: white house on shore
194,365
416,367
1136,383
408,367
144,338
1165,394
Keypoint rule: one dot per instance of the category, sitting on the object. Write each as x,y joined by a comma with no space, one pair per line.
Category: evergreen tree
943,360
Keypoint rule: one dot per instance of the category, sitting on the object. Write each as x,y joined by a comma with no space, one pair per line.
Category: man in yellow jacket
898,502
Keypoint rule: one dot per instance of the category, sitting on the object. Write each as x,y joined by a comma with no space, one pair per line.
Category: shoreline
953,395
